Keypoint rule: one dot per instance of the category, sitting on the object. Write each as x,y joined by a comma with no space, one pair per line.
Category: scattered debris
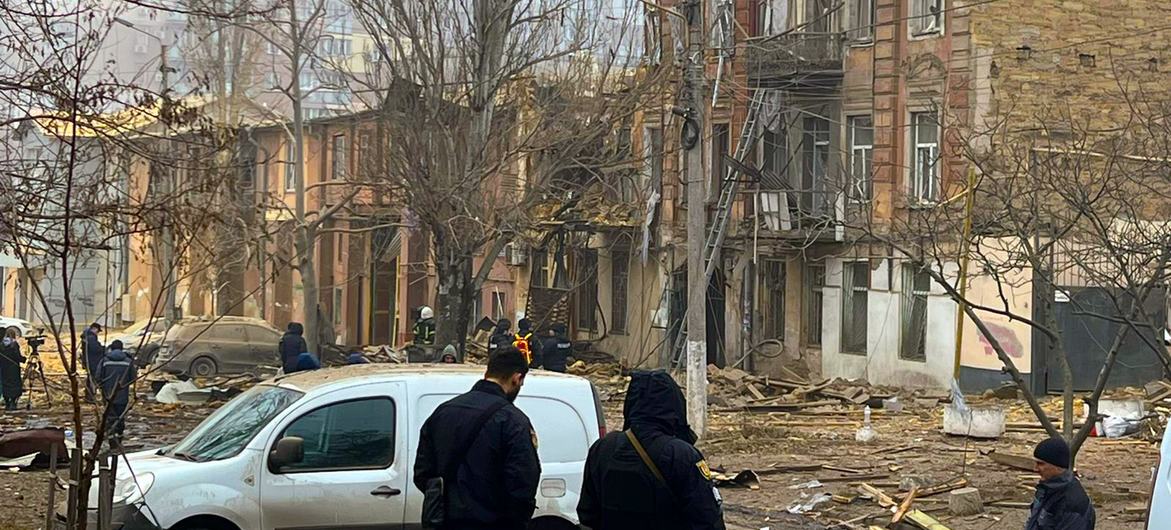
744,479
807,504
1018,461
924,521
18,462
904,506
974,422
20,444
866,434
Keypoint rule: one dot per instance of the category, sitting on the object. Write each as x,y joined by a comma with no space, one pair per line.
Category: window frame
498,300
910,298
861,31
918,23
772,296
855,293
861,187
337,156
393,439
586,318
290,174
815,274
924,189
618,326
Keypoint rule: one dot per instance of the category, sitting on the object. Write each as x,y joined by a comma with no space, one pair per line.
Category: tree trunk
455,297
307,266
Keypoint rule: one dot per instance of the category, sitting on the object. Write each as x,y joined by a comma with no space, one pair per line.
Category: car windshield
225,433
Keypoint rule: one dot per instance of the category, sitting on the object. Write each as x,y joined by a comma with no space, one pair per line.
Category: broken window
619,282
586,294
819,16
814,285
498,302
772,17
926,17
816,165
772,311
540,261
350,435
913,339
861,21
855,291
338,157
861,155
290,171
924,157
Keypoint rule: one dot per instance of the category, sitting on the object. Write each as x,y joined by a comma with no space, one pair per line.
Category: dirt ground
909,444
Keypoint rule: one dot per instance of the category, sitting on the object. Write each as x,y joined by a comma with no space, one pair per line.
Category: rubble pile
733,389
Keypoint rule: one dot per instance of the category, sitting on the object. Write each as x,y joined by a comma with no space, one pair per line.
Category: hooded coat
10,359
291,346
501,336
1060,503
621,492
94,351
555,349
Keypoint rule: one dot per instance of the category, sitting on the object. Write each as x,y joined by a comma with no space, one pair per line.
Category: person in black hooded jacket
501,336
621,491
292,345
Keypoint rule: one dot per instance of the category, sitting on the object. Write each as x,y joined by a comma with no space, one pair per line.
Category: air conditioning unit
514,254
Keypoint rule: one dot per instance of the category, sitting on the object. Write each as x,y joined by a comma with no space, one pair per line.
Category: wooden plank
878,495
924,521
854,478
783,407
843,469
1011,460
756,393
942,488
904,506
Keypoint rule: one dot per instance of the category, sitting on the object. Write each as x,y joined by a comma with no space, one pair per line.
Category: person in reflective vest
425,327
525,341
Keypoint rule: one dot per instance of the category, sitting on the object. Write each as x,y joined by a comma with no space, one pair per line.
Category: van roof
306,381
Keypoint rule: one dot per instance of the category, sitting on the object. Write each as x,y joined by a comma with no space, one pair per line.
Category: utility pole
170,313
696,221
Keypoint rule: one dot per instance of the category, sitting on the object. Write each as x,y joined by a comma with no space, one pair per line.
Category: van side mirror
288,450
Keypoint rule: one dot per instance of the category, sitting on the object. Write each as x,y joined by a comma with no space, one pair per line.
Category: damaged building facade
871,110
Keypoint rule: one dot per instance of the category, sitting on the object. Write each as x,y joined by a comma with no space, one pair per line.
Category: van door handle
385,491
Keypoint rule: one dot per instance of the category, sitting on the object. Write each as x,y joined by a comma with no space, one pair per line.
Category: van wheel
203,367
551,523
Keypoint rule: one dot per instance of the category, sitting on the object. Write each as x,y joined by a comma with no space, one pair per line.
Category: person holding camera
10,360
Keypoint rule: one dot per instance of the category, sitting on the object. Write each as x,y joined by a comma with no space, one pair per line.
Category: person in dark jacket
620,491
116,375
527,341
494,486
1060,503
556,348
292,345
501,336
10,359
93,352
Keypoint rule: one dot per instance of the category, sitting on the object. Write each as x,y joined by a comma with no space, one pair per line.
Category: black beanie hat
1053,451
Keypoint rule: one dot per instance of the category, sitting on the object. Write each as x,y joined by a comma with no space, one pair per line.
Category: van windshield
225,433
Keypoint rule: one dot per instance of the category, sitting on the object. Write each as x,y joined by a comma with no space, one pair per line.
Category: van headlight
127,489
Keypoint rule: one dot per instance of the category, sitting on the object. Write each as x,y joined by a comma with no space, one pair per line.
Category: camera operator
11,385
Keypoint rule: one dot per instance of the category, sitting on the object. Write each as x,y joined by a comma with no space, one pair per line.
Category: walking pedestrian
556,348
93,353
291,346
649,476
11,385
477,460
1060,502
116,375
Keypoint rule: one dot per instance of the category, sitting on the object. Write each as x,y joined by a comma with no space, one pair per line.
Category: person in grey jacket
1060,502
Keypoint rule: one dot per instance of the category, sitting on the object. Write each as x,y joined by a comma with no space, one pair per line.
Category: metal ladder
731,185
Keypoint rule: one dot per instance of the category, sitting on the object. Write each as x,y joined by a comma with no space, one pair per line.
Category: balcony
805,214
800,53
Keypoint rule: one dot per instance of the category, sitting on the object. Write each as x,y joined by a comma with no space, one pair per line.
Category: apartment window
540,264
619,283
587,289
816,164
926,17
913,339
772,17
819,15
338,155
338,242
814,287
861,21
337,306
653,37
721,136
925,157
855,290
654,157
498,303
290,172
861,158
772,298
773,153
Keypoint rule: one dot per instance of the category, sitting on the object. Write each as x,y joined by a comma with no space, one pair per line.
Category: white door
355,473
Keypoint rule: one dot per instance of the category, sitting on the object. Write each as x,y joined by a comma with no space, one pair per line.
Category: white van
360,428
1159,511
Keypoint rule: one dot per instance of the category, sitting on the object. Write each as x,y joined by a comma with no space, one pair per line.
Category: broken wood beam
1011,460
950,485
854,478
919,519
878,495
904,506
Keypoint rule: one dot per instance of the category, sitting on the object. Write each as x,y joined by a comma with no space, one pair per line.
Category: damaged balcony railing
795,53
797,211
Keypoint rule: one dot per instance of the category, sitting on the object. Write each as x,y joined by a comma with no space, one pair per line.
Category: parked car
22,326
207,346
1159,510
142,339
357,431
